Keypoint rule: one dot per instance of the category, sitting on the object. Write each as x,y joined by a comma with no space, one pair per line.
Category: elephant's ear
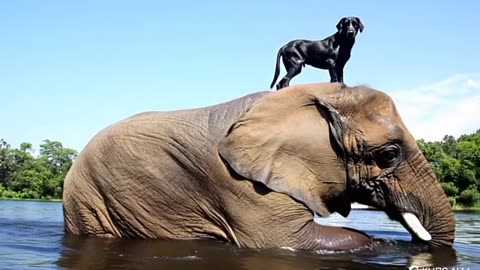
292,142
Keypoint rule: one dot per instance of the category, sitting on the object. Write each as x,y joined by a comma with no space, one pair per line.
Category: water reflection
91,253
434,258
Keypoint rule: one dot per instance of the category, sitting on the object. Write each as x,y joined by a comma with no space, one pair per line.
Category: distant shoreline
358,206
355,206
31,200
461,208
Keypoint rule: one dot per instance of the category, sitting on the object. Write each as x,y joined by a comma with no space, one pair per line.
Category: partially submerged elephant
253,171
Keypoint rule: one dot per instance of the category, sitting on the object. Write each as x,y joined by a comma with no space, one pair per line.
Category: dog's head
348,27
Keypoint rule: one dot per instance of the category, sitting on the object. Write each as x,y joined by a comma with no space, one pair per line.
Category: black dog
331,53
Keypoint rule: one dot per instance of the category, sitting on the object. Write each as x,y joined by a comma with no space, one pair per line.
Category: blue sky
70,68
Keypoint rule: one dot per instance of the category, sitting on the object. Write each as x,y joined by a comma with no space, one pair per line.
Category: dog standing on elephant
331,53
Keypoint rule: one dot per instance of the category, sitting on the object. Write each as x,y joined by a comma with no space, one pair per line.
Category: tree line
23,175
456,163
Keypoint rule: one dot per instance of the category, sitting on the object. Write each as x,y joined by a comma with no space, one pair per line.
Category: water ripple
31,237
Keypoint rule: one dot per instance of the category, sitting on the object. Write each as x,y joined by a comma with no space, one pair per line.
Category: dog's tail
277,68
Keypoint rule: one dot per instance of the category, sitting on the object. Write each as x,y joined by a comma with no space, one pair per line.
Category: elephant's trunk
431,218
439,219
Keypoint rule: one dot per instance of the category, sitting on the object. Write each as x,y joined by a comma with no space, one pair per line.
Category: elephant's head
327,145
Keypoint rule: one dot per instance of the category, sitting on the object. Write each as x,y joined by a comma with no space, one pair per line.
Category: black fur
331,53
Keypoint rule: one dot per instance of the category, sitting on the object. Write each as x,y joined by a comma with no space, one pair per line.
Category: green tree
26,147
58,161
22,175
469,197
15,161
434,153
450,189
31,180
468,150
449,145
4,163
456,162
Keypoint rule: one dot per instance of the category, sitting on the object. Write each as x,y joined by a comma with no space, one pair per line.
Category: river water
31,237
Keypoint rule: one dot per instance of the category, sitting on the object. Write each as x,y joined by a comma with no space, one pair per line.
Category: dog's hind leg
293,69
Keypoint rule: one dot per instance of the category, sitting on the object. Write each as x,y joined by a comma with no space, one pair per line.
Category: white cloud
473,83
448,107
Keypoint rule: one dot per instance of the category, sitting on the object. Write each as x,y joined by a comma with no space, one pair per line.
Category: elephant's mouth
406,216
410,221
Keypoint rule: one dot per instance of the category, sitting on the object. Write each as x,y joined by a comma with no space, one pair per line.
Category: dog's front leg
340,74
332,70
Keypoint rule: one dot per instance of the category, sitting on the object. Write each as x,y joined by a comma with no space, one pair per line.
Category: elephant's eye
387,157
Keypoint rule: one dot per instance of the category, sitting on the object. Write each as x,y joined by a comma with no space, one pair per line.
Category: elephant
255,170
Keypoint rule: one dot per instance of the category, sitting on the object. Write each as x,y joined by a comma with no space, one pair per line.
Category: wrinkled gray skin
254,170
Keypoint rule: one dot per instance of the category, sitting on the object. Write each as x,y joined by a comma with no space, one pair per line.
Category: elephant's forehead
380,126
374,101
376,107
383,132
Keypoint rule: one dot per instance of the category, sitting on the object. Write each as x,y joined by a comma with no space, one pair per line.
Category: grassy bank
464,208
33,200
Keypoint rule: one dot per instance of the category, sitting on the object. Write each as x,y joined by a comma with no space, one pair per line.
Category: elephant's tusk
415,226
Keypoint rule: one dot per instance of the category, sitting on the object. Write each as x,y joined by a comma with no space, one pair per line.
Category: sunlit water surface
31,237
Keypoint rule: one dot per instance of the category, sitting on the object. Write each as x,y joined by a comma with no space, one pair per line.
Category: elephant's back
200,128
132,168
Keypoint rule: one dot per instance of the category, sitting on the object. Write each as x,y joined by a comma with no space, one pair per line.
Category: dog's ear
339,24
360,24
